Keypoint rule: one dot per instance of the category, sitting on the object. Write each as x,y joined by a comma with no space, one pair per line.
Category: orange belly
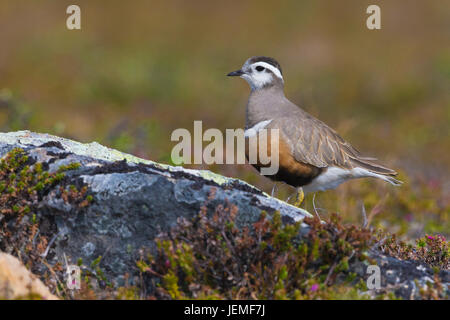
290,171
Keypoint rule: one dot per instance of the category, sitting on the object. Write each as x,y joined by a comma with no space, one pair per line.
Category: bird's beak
236,73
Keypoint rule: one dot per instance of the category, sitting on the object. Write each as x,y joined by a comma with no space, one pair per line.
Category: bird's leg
274,188
314,206
299,197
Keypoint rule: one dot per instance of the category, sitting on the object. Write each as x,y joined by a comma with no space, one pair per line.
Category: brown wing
314,143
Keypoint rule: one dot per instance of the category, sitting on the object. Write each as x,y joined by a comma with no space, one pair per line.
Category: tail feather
372,166
377,171
392,181
360,172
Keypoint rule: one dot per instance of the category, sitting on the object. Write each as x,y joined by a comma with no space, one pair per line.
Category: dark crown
268,60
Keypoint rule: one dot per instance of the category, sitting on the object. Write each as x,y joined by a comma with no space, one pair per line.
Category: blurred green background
140,69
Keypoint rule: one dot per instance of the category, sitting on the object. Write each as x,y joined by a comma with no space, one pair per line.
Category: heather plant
432,250
23,183
213,258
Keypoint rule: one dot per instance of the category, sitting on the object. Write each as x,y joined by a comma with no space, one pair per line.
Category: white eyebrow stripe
270,67
254,130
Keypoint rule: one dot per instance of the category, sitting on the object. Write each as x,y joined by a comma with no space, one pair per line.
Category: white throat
258,80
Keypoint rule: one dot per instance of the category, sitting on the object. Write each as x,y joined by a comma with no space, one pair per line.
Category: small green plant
23,182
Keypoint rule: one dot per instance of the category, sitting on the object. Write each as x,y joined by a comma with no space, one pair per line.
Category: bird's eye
259,68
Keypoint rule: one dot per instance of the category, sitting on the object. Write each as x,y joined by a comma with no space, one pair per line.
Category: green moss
71,166
143,266
170,282
96,261
131,293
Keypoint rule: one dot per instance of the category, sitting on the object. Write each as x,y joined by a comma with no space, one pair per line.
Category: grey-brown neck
266,104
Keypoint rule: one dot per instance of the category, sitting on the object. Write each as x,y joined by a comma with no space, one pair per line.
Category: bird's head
260,72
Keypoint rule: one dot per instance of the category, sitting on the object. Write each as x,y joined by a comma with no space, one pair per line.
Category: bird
312,156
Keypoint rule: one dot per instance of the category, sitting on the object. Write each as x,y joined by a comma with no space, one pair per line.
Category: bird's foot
299,197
